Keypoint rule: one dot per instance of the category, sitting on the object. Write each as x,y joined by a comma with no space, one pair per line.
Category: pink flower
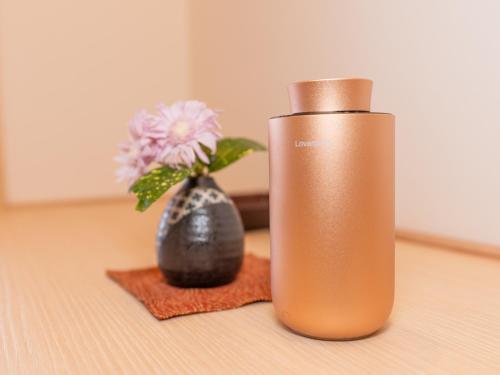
173,138
187,124
141,149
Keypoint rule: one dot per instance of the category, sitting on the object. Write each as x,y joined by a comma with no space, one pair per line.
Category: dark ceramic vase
200,237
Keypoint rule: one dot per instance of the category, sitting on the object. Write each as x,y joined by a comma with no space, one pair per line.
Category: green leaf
150,187
230,150
153,185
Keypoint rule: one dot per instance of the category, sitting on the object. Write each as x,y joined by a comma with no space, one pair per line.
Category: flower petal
203,157
209,140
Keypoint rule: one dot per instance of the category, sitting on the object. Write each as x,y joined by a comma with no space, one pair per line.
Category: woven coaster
164,301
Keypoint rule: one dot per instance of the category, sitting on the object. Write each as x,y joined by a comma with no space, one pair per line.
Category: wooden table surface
59,313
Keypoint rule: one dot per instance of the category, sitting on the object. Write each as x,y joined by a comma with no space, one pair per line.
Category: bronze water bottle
332,210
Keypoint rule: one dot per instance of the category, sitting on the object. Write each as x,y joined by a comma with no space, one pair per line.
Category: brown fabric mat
165,301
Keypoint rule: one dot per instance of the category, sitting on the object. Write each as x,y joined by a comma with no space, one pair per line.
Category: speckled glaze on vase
200,239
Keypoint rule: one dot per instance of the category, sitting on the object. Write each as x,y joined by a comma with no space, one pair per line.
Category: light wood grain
60,314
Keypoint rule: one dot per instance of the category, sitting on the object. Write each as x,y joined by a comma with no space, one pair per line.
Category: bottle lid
329,95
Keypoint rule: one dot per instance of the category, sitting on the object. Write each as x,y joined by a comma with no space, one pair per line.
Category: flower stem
199,169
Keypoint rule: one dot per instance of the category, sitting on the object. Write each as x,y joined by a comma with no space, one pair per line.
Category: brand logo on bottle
308,143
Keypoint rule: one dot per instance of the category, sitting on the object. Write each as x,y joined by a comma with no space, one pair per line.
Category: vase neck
201,181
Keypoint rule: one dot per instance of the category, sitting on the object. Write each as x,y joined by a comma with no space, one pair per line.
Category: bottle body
332,222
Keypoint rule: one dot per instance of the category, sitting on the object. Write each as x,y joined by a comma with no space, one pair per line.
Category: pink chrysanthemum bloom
187,124
142,149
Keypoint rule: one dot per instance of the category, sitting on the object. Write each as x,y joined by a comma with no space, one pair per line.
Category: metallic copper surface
347,94
332,222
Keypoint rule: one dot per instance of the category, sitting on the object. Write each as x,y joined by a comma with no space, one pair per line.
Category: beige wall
71,75
434,63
